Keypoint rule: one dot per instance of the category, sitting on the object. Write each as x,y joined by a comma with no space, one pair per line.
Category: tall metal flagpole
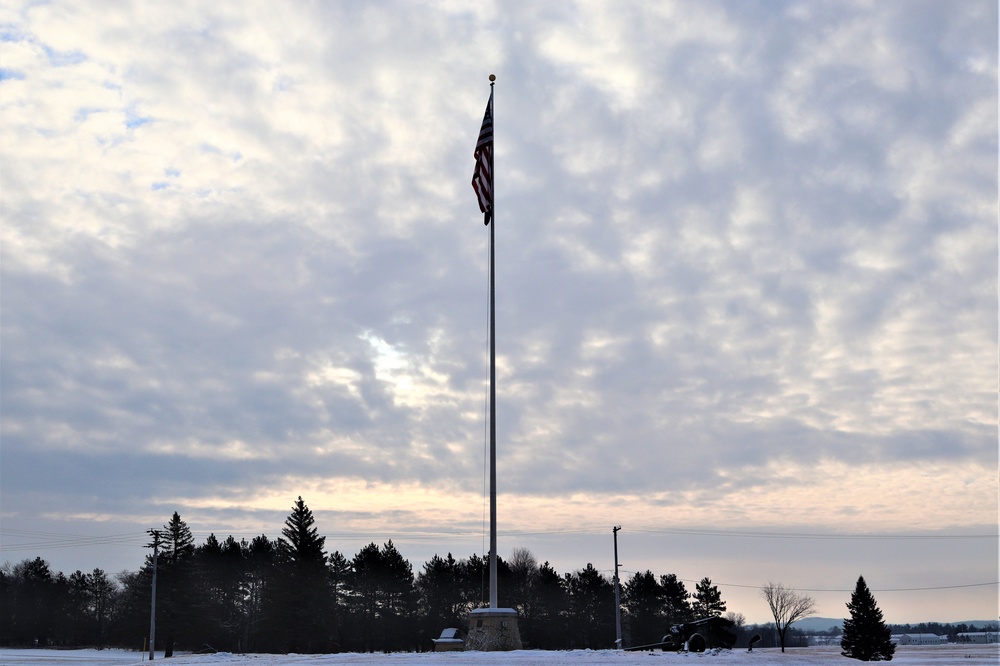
491,628
493,376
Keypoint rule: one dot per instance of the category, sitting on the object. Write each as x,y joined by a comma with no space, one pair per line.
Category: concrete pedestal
493,630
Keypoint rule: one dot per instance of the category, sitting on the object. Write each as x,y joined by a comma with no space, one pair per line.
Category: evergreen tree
301,538
78,628
383,598
233,574
642,600
676,605
592,609
258,591
175,585
28,600
303,599
707,600
220,570
475,577
60,609
364,599
552,610
339,573
8,610
399,599
103,598
35,597
88,614
441,602
866,636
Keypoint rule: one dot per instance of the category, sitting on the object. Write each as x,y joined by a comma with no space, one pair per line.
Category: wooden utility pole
618,598
152,606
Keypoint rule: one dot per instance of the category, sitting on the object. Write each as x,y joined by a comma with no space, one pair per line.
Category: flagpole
493,380
491,628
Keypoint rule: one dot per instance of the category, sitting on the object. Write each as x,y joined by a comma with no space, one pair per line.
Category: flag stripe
482,177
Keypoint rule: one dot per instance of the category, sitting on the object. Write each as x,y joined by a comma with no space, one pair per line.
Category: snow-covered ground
969,655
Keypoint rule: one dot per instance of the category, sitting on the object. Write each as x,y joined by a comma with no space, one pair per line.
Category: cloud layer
747,259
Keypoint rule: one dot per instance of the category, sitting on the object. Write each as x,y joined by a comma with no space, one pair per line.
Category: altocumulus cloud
747,258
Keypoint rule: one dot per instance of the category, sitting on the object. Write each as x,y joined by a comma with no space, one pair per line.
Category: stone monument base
493,630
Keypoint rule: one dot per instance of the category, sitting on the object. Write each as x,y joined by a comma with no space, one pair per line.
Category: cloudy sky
746,285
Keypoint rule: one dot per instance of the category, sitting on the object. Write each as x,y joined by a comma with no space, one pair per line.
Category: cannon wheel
668,644
696,643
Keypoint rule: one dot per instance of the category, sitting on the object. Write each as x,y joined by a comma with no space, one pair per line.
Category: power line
52,540
888,589
38,539
808,535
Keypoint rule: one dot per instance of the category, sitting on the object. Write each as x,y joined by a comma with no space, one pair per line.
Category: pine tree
707,600
383,597
339,575
258,591
676,607
553,610
302,601
104,593
592,606
220,570
441,602
178,542
301,538
399,598
642,600
365,598
866,636
176,589
30,599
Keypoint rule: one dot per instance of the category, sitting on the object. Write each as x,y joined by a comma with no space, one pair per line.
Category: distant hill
818,624
811,624
978,624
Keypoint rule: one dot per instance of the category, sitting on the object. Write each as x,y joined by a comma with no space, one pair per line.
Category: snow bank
968,655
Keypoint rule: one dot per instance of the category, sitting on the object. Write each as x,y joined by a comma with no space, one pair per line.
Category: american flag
482,177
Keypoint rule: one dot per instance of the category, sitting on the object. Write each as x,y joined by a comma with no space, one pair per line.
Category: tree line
950,630
290,595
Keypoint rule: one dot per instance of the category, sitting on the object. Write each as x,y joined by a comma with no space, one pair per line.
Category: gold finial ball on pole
493,77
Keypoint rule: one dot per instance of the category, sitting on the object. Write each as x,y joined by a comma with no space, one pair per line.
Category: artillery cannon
699,635
696,636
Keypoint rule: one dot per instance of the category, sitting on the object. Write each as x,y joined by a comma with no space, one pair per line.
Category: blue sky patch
133,119
10,33
84,113
63,58
132,122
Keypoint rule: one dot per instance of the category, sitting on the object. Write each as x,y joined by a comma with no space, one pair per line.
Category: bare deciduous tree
522,563
523,576
787,606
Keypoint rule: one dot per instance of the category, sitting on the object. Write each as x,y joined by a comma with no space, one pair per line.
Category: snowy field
969,655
